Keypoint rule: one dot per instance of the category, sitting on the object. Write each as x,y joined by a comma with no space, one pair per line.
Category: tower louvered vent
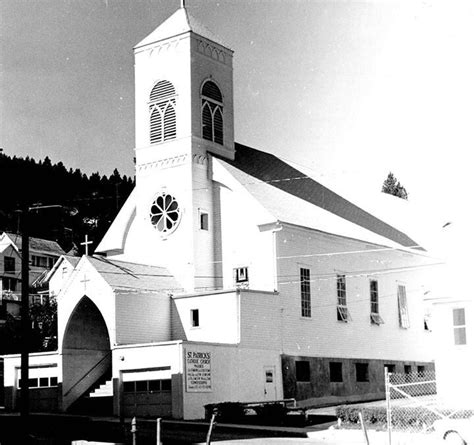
212,113
162,112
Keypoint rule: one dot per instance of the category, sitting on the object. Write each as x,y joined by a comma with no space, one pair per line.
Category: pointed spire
183,4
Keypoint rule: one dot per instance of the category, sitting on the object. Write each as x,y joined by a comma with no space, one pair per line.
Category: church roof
293,197
179,23
121,275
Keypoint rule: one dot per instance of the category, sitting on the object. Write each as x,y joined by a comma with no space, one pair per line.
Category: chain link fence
414,405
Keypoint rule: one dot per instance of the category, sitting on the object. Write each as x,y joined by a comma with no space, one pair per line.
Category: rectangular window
305,292
375,317
390,367
302,371
204,221
51,262
335,371
403,307
53,381
241,275
421,371
9,264
39,261
9,284
459,325
128,386
342,310
195,318
407,371
362,372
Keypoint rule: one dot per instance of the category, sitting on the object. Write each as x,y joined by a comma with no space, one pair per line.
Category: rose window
165,213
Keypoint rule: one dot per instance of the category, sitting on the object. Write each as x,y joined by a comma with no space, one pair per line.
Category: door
269,391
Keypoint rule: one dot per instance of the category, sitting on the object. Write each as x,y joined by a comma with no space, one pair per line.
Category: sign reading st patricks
198,371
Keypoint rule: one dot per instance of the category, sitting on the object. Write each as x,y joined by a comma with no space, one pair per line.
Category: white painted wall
237,375
219,317
97,289
322,335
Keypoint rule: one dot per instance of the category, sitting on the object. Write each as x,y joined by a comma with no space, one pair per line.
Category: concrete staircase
104,390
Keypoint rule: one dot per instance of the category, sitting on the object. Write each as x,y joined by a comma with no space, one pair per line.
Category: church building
228,275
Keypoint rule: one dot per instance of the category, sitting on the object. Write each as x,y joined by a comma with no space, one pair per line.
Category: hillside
88,203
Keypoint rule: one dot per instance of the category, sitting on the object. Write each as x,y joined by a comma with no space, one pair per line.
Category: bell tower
184,114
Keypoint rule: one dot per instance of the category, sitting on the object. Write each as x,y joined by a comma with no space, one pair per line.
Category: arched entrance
87,358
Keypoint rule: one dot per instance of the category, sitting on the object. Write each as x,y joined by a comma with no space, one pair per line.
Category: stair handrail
109,353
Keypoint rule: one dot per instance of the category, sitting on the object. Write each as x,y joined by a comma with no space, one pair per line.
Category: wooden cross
86,244
85,281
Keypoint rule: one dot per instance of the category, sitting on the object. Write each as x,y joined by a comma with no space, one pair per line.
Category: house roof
293,197
132,276
36,244
179,23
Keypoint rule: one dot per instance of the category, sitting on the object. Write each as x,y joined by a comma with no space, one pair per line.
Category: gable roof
36,244
121,275
179,23
270,176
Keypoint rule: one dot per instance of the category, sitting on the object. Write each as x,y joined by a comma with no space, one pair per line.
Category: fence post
361,418
158,431
209,433
134,431
389,410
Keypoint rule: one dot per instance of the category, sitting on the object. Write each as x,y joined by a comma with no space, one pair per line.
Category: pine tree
393,187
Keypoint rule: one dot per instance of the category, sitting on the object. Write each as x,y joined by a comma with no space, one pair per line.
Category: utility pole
25,319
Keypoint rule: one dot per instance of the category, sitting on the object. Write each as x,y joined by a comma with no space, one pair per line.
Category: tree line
88,203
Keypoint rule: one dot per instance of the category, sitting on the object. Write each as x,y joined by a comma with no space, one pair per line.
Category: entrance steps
104,390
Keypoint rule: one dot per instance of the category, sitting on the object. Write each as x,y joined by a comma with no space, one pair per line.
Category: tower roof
179,23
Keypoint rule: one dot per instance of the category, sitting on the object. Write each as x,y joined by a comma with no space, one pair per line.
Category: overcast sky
350,90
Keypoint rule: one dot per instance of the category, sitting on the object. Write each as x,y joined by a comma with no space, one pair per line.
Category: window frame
215,108
403,317
302,371
162,118
343,314
375,317
305,292
195,321
336,374
459,326
362,368
9,264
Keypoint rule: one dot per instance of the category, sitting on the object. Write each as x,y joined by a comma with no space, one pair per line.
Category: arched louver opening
162,108
212,120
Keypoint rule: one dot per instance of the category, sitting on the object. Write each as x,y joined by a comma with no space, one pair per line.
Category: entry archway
86,351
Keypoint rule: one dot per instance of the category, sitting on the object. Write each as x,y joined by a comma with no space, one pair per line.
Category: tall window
162,108
375,317
459,324
305,292
303,373
212,114
9,265
342,311
403,307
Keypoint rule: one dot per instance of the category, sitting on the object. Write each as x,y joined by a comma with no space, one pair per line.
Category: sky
345,90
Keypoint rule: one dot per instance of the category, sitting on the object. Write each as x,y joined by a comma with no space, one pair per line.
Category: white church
228,275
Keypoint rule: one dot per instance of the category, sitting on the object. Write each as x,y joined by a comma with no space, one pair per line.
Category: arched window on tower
211,109
162,108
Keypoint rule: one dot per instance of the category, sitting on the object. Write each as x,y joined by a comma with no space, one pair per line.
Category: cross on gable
86,244
85,280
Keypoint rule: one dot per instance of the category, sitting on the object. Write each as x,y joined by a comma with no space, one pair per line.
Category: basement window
195,318
362,372
302,371
335,371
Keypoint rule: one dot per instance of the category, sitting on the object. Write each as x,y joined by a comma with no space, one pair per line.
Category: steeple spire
183,3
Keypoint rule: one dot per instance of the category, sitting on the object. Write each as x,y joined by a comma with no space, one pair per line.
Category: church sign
198,371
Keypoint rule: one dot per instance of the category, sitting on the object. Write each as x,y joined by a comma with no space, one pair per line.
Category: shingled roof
275,173
132,276
37,244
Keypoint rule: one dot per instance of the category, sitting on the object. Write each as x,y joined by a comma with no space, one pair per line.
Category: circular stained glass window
165,213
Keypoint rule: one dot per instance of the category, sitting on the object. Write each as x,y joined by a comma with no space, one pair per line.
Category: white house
228,275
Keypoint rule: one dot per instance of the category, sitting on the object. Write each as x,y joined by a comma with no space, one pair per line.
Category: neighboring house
227,275
453,319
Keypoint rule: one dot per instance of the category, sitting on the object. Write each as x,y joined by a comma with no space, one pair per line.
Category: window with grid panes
402,307
305,292
375,317
342,310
